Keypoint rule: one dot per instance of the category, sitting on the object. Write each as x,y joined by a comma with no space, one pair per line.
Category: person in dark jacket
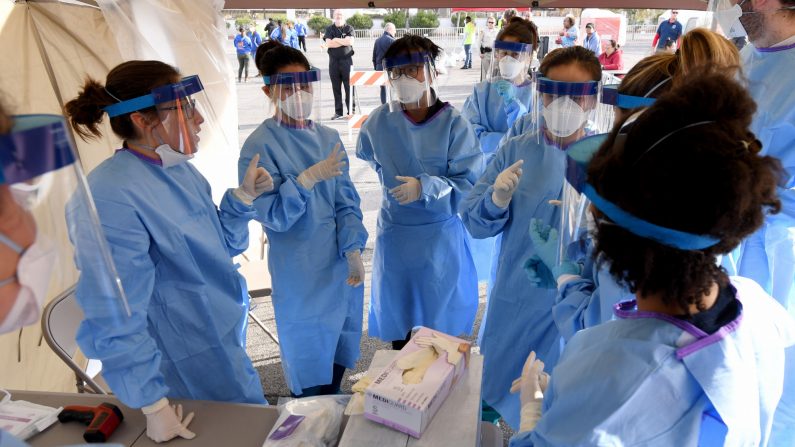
338,40
379,49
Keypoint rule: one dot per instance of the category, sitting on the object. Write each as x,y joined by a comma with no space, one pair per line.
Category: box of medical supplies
411,389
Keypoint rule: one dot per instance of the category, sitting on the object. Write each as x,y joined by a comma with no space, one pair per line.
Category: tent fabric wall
45,59
48,49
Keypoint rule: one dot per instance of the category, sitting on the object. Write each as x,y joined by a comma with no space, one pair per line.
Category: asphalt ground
454,87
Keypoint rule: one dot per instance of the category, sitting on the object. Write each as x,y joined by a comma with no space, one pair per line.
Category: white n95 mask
409,90
297,106
728,16
168,155
510,67
33,273
563,117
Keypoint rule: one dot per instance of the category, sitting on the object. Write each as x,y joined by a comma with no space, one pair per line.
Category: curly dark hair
572,55
271,56
708,179
524,30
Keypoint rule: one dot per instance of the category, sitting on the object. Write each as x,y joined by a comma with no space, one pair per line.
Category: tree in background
360,21
424,19
319,24
397,16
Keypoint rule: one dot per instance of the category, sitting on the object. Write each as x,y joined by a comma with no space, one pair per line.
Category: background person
300,30
339,41
592,40
469,38
487,37
669,33
256,39
243,47
269,27
379,50
569,35
612,58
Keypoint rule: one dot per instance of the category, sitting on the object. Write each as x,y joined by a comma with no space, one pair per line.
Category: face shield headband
611,96
36,145
171,92
301,77
408,59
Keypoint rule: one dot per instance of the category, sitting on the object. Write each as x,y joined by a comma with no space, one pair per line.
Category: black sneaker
336,117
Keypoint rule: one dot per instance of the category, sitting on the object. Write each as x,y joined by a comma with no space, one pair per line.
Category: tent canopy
487,9
465,4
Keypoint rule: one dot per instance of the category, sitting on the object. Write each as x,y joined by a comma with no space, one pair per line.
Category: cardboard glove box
411,389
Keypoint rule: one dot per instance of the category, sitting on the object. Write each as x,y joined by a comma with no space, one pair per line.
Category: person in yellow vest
469,39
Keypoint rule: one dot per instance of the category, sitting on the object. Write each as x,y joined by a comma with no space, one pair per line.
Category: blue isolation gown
318,316
491,117
768,256
519,317
654,380
173,250
423,273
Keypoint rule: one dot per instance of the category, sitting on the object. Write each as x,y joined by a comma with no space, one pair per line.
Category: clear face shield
411,81
46,192
565,112
181,108
510,62
294,97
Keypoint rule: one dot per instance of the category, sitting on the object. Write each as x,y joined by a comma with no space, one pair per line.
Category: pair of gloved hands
257,181
542,268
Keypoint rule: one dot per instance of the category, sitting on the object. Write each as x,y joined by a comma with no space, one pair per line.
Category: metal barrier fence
447,38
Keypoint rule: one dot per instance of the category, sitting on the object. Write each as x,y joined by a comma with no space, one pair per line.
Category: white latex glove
355,268
531,394
415,364
164,422
331,167
506,183
442,345
408,192
255,182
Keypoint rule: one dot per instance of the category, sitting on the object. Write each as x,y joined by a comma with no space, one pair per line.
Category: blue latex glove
506,90
538,273
514,110
545,242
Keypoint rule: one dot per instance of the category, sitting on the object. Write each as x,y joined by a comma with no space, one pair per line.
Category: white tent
305,4
48,48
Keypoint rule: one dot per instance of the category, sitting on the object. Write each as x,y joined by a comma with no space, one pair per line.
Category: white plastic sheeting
48,49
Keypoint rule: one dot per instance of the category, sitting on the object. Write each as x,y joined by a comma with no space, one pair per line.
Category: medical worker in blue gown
518,184
314,226
172,248
494,105
506,94
38,169
586,298
768,256
698,357
427,158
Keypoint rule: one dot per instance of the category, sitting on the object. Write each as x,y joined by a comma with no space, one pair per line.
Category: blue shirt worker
669,31
300,30
256,40
243,48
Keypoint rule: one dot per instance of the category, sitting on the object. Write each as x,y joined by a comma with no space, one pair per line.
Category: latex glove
331,167
164,422
506,90
355,268
530,393
506,183
441,345
538,273
408,192
545,242
356,404
255,182
415,364
514,111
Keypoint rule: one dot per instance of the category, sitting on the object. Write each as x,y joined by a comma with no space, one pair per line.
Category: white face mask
409,90
168,155
33,273
297,106
563,117
510,67
728,16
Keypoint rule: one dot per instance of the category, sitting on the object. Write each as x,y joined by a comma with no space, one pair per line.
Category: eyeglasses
408,70
674,12
490,22
187,107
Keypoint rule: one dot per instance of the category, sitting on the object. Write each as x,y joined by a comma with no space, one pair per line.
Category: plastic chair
258,280
59,324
